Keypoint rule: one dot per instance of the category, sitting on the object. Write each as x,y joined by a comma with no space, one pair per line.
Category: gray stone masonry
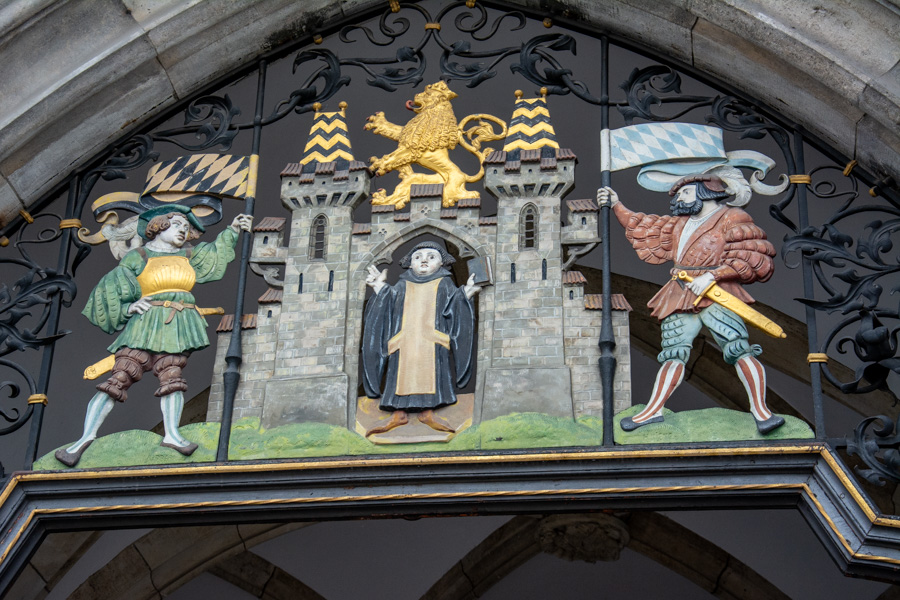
536,340
582,353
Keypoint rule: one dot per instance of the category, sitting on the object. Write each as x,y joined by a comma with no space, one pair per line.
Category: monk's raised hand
376,279
470,289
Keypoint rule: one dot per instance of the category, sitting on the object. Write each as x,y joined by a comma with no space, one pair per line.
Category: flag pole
607,342
234,354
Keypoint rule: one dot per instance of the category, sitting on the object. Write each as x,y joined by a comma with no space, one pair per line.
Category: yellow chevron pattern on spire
530,127
329,139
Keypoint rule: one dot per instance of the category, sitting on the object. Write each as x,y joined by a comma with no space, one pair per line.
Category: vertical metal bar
607,343
43,384
233,356
809,292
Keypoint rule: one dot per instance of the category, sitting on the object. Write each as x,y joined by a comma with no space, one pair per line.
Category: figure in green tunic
148,298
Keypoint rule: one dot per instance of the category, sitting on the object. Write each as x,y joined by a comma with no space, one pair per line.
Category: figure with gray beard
710,237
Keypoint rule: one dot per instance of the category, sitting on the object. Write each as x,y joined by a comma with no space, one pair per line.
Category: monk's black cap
446,258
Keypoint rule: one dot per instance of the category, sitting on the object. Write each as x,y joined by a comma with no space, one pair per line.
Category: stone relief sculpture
148,299
413,330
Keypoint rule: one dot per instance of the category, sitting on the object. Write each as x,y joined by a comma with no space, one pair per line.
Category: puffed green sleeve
107,305
210,259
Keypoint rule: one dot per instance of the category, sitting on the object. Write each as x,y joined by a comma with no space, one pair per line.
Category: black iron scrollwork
25,309
851,271
648,87
877,446
210,120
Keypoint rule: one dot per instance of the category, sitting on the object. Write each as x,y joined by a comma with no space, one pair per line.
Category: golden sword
103,366
737,306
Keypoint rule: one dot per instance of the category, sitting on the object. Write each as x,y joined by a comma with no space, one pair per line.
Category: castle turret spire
530,127
328,140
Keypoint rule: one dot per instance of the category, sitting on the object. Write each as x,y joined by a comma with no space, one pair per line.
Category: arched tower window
528,227
317,238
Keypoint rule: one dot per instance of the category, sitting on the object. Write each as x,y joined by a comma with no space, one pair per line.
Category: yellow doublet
167,274
416,340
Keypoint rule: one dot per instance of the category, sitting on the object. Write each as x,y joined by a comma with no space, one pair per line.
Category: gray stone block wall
528,312
310,333
582,331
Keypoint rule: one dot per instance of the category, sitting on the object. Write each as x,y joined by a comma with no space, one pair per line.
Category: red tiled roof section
448,213
326,168
573,278
358,165
497,157
402,217
270,224
227,323
583,205
292,169
382,208
565,154
361,229
595,302
487,220
469,203
548,163
426,190
512,165
272,296
530,155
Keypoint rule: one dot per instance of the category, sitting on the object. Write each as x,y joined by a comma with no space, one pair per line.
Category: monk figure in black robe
415,329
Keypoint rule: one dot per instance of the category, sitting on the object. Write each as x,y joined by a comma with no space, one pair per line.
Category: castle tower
529,177
321,191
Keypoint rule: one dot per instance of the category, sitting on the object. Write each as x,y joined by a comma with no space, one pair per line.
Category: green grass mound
136,447
535,430
706,425
515,431
307,440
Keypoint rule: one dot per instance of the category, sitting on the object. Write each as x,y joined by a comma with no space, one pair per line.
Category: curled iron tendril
876,446
14,416
210,120
649,87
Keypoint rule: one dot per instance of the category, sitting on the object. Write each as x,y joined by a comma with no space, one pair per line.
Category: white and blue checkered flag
648,143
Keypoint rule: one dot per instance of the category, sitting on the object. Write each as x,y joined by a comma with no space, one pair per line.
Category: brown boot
398,418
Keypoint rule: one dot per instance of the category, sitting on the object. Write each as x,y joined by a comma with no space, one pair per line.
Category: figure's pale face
425,262
177,233
687,194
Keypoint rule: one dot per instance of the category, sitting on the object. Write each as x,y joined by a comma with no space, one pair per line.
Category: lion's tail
472,138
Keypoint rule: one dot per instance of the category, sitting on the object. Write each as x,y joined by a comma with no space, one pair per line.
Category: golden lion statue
425,141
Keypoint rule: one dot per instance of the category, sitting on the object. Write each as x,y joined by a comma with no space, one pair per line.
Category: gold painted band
38,399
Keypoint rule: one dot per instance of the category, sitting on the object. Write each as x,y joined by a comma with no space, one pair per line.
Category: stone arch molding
832,67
